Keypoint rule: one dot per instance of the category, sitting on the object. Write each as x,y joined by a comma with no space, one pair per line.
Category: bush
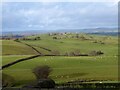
42,72
55,52
101,42
95,53
75,53
54,37
66,54
46,83
95,42
7,81
71,54
17,40
77,35
82,37
37,38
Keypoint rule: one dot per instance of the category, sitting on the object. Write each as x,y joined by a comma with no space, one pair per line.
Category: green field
10,47
65,68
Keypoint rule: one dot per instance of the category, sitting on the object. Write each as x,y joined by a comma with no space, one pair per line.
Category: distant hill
101,31
106,33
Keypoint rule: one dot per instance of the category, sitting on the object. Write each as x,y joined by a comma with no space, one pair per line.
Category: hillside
10,47
66,66
69,43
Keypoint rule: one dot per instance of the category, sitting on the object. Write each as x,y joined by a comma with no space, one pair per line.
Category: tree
77,35
83,37
38,38
77,52
54,37
66,54
42,72
71,54
95,53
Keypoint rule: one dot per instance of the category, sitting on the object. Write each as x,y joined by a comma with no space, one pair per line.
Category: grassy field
10,47
10,58
65,68
71,44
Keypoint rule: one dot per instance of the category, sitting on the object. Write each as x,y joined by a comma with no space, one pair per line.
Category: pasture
65,68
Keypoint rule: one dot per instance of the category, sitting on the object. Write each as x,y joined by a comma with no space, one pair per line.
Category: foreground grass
67,69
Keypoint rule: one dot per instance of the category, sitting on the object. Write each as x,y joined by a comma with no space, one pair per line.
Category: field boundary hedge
29,46
19,60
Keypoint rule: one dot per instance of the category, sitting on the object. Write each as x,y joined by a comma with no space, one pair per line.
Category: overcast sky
58,15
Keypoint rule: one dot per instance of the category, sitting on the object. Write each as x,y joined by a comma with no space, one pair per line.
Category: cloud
58,15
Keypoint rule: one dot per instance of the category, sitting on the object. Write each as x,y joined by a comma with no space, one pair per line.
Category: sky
58,15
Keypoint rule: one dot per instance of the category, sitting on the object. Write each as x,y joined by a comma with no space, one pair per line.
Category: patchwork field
65,68
10,47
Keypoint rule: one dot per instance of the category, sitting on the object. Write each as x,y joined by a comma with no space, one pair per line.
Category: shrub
54,37
37,38
46,83
95,42
77,53
66,54
55,52
82,37
17,40
95,53
101,42
71,54
77,35
42,72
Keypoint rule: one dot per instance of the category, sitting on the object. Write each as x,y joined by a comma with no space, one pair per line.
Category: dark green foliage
77,35
42,72
36,38
54,37
45,83
95,53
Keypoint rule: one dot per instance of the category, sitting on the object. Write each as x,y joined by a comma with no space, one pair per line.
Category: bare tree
42,72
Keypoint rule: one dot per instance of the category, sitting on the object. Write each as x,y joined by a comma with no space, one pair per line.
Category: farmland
65,67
